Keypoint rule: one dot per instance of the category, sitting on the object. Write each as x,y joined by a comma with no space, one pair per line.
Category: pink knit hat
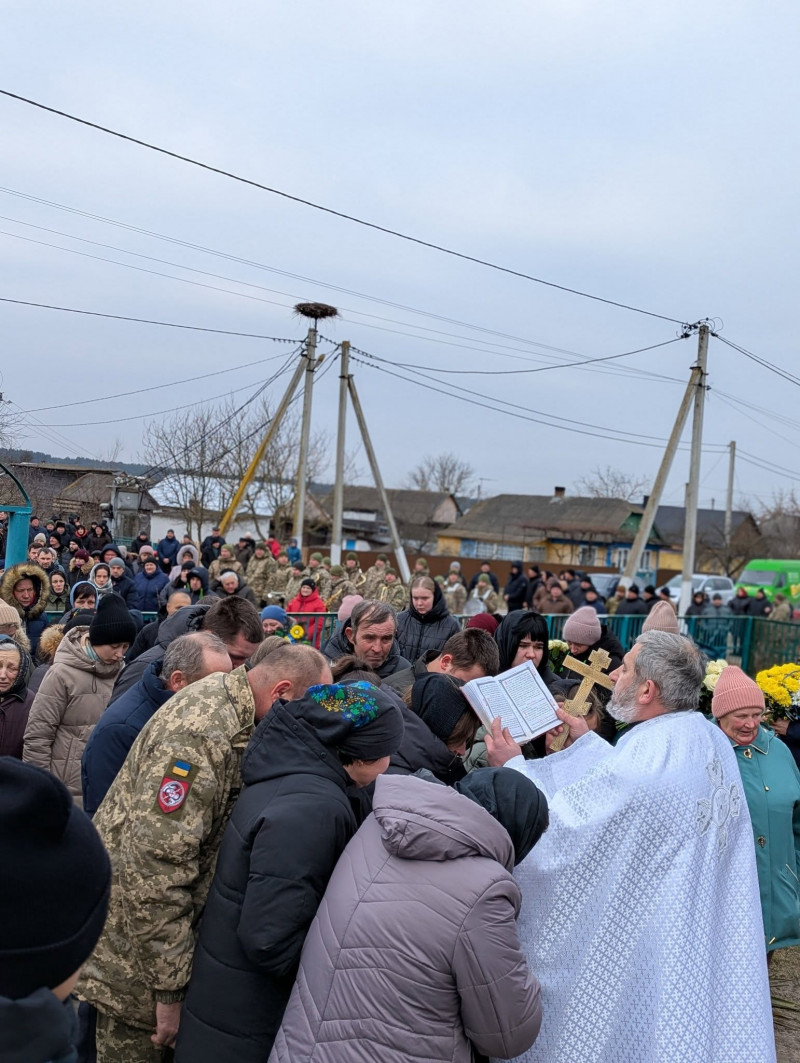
735,691
349,602
583,626
662,618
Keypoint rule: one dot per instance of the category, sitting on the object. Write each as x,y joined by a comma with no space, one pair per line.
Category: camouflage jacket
340,588
324,580
292,588
258,575
455,595
162,822
393,594
356,577
278,579
373,581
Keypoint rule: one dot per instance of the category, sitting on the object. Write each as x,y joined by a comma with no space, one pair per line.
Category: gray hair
368,613
227,573
187,654
675,665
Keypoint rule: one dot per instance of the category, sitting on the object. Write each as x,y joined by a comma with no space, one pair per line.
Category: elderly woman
15,698
426,624
771,783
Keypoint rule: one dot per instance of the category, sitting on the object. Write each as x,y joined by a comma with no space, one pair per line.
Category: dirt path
784,977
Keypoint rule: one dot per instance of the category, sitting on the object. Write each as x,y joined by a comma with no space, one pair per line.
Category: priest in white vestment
640,914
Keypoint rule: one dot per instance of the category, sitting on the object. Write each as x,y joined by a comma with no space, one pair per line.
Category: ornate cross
594,674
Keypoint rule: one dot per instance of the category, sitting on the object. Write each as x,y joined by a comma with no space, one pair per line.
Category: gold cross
594,674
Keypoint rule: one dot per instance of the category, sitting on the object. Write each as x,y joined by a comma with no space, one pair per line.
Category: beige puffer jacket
68,704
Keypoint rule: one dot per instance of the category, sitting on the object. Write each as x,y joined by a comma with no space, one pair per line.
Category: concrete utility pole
729,498
305,433
400,554
338,487
653,502
693,487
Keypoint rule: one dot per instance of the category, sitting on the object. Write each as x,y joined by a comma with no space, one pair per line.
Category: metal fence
751,642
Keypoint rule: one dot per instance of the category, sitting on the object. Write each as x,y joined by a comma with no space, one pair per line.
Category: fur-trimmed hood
41,584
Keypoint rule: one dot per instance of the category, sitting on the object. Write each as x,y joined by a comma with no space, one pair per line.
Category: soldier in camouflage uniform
392,591
279,577
320,575
352,569
296,577
373,577
162,822
259,568
340,588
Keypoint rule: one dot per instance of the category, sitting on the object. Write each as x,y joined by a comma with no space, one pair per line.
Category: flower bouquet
557,650
781,688
713,672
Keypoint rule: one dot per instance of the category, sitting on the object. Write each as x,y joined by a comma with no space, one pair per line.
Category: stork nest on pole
316,311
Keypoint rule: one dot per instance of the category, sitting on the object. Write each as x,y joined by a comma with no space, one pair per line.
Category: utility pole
400,554
729,499
338,487
305,432
693,487
653,502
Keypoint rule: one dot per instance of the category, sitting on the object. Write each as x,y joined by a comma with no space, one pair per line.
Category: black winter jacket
516,588
180,623
288,829
127,590
417,634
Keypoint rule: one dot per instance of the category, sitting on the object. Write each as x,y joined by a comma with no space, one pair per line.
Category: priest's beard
622,705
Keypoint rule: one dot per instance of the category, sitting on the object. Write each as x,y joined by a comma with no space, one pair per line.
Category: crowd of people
203,817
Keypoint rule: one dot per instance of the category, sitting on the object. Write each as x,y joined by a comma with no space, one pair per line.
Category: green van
772,576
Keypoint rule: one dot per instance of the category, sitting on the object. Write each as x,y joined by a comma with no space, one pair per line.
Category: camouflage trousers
119,1043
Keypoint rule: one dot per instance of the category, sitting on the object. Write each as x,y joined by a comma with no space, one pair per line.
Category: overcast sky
645,153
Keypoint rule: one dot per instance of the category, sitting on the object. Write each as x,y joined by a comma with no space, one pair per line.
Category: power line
784,373
337,213
149,321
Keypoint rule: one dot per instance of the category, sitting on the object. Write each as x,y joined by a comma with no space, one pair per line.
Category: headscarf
437,699
513,800
358,719
20,684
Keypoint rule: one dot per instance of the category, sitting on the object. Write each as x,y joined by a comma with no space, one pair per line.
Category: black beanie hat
112,622
80,618
308,582
437,699
55,883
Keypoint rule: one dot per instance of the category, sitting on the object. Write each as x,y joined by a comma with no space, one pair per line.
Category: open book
519,697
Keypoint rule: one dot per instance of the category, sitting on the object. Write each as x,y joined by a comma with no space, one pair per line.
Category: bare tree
779,522
190,447
613,483
10,423
443,472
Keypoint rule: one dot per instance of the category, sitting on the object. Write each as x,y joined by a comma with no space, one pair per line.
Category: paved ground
784,979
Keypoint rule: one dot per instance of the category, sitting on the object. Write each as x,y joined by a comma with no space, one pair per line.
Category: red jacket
311,604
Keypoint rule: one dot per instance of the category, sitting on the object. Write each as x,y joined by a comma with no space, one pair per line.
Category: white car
701,581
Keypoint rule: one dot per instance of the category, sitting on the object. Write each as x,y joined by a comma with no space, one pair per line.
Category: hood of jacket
438,611
41,584
187,553
71,653
181,623
36,1028
421,820
285,743
202,575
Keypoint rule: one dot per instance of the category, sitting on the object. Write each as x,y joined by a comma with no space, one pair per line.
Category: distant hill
10,454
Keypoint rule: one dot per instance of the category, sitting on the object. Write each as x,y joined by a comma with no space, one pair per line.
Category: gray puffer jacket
72,698
414,951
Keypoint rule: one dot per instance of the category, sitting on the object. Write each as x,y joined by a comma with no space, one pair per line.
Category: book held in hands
519,697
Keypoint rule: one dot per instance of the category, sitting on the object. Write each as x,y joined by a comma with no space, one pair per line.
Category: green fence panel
772,642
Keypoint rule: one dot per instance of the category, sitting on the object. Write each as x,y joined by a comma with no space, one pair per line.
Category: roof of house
96,487
408,506
710,522
524,517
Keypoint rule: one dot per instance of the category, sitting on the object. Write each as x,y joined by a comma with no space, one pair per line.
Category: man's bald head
286,673
177,600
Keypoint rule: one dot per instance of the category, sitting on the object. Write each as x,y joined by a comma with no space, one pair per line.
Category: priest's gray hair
675,665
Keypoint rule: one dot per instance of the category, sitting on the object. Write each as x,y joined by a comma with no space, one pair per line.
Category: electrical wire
149,321
783,373
337,213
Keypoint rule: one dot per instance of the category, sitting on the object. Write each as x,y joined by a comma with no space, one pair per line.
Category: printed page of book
519,697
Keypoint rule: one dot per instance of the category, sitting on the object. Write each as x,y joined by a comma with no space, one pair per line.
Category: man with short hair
162,822
235,621
168,548
651,842
123,584
466,655
188,658
369,633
